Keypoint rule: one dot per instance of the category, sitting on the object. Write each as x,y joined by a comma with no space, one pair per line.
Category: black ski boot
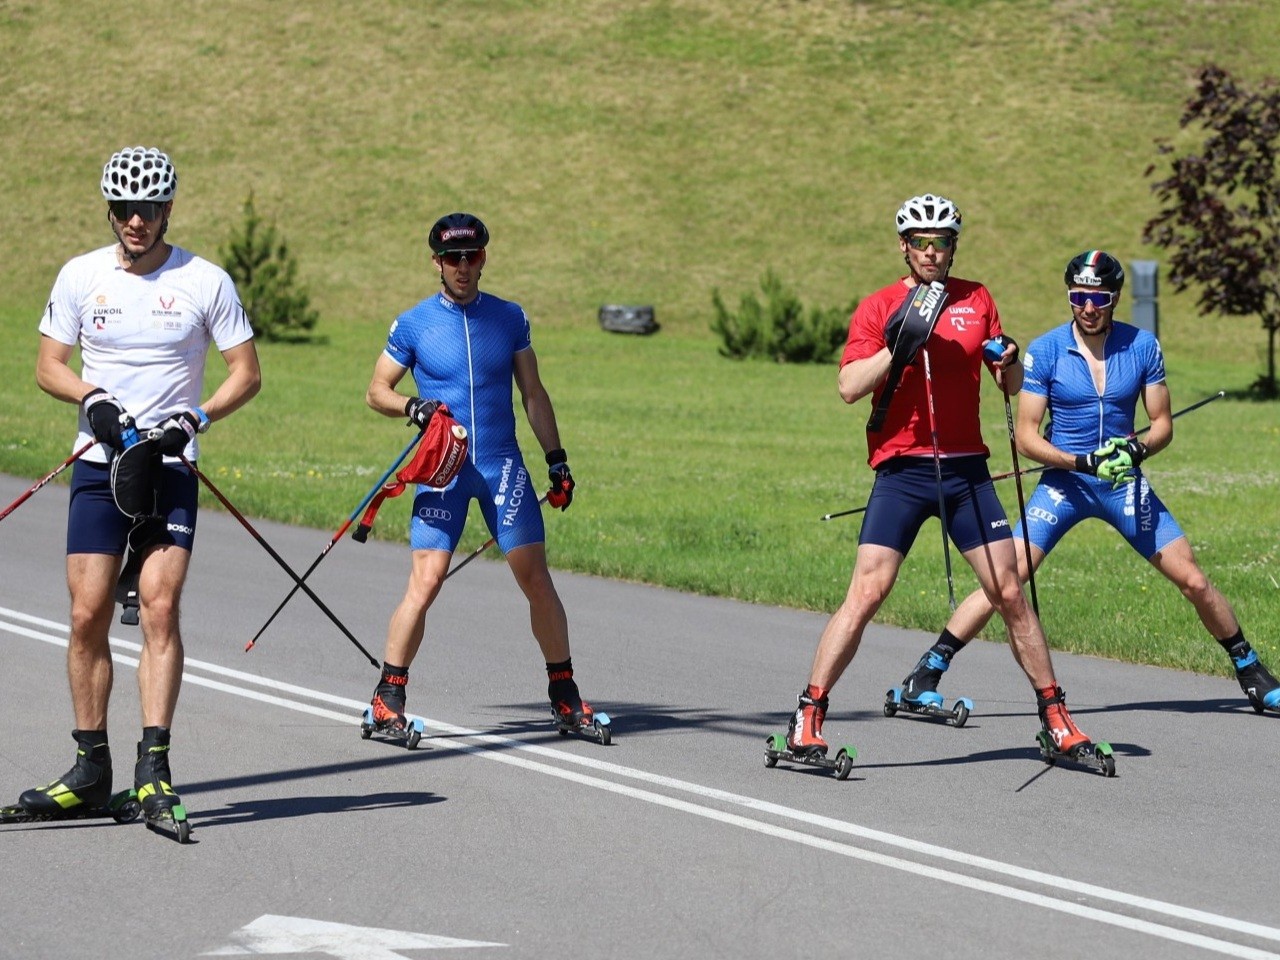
389,699
385,713
83,791
86,786
1255,680
161,806
919,692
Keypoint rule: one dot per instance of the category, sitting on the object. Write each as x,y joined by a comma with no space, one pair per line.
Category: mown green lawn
650,153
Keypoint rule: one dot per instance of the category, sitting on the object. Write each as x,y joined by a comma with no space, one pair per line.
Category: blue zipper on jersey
471,382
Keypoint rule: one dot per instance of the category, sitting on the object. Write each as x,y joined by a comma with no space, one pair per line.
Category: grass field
649,153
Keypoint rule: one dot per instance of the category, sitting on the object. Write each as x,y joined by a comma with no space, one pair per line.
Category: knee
865,596
423,587
538,587
1196,587
89,620
160,611
1009,600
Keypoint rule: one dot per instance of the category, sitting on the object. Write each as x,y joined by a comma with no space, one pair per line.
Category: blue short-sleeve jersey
464,356
1081,419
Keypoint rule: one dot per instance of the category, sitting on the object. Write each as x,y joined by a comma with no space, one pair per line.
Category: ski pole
1026,473
1017,474
41,482
277,558
1173,416
373,491
483,547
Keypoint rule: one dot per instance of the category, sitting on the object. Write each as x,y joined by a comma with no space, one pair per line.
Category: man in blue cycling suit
1088,376
465,348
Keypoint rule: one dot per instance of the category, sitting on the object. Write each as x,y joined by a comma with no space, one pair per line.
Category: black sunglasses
943,242
123,210
454,257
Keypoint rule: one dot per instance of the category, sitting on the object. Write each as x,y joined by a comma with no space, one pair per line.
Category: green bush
266,276
780,329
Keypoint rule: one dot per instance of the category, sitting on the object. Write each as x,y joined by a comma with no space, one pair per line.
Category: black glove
107,417
178,431
1136,449
561,492
421,411
1089,462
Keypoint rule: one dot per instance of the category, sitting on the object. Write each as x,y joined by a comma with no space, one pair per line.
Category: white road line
509,754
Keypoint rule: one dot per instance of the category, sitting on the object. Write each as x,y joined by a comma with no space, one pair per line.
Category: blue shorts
905,494
95,525
507,498
1063,498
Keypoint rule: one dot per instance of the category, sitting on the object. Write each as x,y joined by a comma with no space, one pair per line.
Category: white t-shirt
145,338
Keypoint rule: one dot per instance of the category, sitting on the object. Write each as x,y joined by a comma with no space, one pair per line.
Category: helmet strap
453,294
135,257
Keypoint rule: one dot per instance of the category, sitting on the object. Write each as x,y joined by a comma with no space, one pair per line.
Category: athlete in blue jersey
465,349
1088,376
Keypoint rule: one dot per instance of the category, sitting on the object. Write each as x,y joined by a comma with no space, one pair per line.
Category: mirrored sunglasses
454,257
944,242
1101,299
123,210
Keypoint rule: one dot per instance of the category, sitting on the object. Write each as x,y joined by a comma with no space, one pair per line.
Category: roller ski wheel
170,822
775,749
1096,756
928,705
122,808
595,726
409,733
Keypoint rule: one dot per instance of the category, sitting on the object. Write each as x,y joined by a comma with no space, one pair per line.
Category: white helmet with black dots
139,173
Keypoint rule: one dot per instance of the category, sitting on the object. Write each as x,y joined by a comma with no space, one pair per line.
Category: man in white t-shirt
143,313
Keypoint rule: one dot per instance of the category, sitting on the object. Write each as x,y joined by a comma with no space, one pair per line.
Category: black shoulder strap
920,313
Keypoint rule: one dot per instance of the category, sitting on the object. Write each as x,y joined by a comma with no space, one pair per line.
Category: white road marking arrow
272,934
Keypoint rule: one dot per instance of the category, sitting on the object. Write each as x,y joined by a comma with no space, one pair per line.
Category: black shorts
95,525
906,494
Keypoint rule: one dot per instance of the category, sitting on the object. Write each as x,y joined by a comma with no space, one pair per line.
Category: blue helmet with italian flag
1095,268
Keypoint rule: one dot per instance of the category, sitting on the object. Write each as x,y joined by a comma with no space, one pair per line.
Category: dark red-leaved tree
1220,213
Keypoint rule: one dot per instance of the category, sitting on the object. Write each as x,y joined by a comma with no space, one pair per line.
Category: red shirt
955,355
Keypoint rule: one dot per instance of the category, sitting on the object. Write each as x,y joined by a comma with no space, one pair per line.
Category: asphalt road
502,839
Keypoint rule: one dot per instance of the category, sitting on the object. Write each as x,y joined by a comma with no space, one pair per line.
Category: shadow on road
283,808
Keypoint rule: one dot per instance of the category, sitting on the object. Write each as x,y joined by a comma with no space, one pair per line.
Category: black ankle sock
1230,643
391,670
948,645
560,671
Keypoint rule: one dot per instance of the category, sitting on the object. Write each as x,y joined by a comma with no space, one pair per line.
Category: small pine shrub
780,329
266,275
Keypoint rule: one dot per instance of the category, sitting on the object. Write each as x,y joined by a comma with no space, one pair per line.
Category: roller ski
919,694
569,712
162,809
1060,739
1255,680
803,741
584,722
82,793
398,727
385,713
